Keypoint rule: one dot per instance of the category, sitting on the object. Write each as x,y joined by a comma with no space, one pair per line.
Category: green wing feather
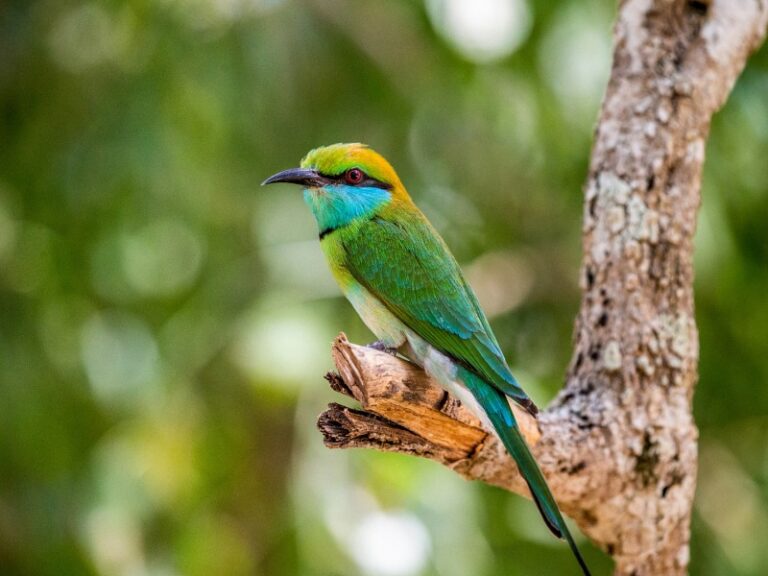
403,261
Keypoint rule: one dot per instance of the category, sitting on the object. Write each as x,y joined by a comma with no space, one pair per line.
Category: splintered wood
405,397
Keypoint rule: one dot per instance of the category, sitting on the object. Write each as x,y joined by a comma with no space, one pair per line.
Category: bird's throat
337,206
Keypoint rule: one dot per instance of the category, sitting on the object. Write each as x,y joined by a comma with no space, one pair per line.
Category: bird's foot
382,347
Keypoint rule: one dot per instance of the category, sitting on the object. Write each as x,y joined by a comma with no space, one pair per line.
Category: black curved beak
303,176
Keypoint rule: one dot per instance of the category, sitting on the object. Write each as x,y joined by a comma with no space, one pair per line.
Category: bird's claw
382,347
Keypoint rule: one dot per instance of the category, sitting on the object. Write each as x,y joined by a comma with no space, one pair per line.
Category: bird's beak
304,176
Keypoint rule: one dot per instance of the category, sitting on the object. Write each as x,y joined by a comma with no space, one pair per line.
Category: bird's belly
445,371
385,325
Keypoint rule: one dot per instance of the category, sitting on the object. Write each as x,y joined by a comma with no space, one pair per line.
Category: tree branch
618,445
404,410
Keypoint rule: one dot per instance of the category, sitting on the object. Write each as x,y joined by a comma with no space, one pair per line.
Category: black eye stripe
367,182
372,182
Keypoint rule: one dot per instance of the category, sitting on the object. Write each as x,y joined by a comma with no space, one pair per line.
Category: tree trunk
619,444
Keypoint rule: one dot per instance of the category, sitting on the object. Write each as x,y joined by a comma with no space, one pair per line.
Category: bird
404,283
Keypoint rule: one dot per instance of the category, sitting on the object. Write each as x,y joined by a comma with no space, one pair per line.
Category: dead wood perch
405,411
618,445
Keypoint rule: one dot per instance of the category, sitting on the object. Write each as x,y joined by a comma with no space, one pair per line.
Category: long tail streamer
501,416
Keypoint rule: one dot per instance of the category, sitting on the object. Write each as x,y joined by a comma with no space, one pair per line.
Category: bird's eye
354,176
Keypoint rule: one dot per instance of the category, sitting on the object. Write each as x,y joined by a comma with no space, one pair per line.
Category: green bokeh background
165,323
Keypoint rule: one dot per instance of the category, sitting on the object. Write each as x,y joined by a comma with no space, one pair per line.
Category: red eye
354,176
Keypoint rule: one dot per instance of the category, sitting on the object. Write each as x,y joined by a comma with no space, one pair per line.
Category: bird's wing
407,266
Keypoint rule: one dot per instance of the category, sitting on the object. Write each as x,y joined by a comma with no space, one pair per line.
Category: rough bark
618,444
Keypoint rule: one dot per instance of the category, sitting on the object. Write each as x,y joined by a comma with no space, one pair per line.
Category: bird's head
351,165
344,182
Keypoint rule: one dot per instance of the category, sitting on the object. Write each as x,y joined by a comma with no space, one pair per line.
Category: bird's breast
385,325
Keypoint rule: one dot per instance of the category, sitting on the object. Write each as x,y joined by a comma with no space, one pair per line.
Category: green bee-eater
402,280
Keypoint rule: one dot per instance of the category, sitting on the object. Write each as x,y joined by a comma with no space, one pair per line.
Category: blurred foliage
164,322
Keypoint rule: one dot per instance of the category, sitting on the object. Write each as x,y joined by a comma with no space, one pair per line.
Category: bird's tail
496,406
